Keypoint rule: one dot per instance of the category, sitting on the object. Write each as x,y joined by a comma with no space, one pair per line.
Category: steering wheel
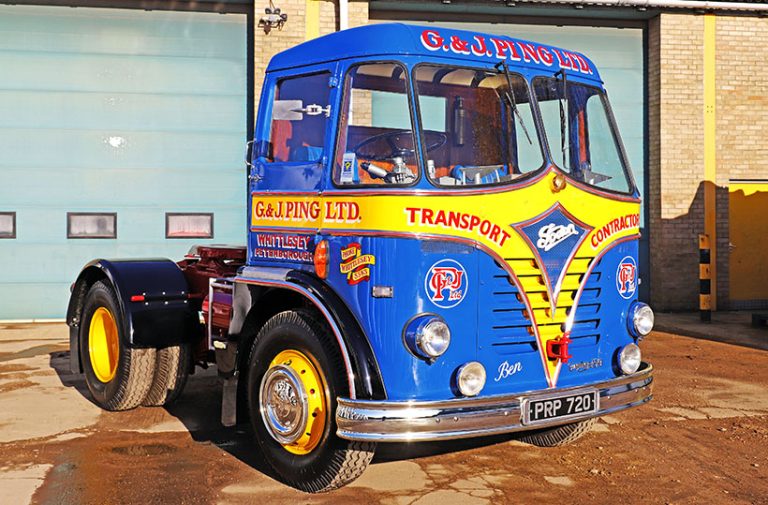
395,142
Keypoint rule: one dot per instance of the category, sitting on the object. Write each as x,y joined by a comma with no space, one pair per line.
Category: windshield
582,138
478,129
376,143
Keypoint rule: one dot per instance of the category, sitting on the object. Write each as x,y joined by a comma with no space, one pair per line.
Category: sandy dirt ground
703,439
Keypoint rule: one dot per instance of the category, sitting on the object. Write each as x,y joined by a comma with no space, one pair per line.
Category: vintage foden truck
442,243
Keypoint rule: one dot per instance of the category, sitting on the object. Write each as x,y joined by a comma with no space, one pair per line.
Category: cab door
290,158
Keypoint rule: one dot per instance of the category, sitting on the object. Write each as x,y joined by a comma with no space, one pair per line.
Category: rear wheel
117,376
171,372
295,375
559,435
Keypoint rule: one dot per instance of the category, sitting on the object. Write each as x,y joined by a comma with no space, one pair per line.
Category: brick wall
676,126
358,13
676,162
654,161
742,98
267,45
294,32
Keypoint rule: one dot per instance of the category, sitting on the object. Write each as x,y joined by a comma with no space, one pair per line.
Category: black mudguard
368,381
367,377
161,318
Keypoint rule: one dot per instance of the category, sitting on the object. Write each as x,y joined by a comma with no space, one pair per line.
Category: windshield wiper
511,98
563,145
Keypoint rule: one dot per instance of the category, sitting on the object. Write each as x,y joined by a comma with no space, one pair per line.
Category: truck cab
442,243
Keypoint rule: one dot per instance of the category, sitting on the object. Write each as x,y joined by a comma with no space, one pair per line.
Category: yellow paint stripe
311,19
710,159
749,188
485,219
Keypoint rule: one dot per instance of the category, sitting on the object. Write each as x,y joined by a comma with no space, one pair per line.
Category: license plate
564,406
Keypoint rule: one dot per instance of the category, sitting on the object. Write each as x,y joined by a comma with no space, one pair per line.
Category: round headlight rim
422,343
415,327
460,372
631,320
621,358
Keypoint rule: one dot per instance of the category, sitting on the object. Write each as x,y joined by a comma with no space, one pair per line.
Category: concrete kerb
733,328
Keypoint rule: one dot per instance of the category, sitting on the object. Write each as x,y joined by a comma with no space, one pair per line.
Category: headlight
640,320
470,378
630,359
427,336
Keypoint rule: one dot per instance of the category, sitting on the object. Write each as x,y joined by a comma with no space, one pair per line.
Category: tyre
171,372
117,376
295,374
559,435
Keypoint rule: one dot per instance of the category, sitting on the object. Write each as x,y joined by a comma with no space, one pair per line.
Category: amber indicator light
321,259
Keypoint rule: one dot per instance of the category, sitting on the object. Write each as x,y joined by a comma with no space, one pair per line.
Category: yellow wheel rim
305,404
103,345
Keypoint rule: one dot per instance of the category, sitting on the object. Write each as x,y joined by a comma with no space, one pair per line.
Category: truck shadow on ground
199,408
59,362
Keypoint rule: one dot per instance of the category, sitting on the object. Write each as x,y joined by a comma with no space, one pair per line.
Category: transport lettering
458,221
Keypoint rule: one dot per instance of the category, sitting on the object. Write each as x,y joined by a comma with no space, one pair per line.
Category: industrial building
123,126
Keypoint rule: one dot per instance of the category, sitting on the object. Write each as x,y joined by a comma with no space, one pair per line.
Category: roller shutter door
132,112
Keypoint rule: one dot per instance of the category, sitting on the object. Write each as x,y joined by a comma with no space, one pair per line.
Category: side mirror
287,110
249,154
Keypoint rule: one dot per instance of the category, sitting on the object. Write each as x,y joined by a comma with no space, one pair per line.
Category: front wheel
295,375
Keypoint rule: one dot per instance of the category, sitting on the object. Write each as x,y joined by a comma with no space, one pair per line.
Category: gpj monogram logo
626,277
446,283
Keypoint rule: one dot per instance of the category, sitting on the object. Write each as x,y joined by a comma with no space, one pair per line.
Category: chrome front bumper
421,421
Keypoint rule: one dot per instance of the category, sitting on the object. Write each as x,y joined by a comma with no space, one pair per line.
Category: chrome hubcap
284,407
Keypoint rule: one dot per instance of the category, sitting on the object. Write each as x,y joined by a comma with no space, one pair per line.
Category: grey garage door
109,120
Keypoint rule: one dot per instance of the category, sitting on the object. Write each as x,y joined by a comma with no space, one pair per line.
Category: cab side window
376,144
300,114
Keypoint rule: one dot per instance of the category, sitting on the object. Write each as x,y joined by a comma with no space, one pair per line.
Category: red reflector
137,298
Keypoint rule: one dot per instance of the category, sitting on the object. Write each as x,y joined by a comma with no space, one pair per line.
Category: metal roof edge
707,5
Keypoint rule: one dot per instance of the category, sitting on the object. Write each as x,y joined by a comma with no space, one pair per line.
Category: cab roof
431,42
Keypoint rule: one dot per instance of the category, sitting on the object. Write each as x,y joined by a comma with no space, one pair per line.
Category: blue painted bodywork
394,41
489,325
